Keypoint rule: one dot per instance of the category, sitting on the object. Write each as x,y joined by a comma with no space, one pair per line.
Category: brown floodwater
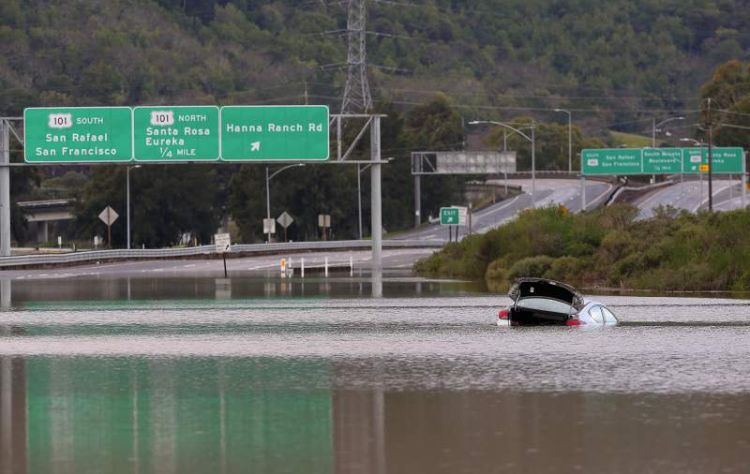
316,376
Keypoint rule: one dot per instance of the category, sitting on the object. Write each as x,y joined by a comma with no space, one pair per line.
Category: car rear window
544,304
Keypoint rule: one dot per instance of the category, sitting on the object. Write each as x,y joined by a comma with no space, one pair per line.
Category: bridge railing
21,261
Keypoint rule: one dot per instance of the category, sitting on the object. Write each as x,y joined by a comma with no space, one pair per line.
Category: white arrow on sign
255,146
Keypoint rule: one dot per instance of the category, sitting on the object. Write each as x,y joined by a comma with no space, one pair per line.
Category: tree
436,126
166,202
729,91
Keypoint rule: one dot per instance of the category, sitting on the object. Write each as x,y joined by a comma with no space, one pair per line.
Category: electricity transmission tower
357,98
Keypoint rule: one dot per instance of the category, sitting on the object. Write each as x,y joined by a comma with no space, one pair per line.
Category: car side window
609,316
596,314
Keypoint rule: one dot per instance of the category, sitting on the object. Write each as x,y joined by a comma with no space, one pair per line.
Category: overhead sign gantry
176,134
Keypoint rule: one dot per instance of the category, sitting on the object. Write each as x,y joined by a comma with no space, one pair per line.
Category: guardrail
205,250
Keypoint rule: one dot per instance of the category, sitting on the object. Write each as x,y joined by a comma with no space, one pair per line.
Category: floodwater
316,376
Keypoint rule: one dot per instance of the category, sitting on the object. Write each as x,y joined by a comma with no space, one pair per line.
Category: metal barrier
205,250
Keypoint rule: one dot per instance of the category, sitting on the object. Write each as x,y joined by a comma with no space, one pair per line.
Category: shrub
566,269
531,267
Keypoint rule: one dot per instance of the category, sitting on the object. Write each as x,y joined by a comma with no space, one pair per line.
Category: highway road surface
692,196
548,192
393,259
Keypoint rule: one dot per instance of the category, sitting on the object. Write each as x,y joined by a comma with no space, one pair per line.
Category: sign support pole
127,206
4,188
583,193
417,200
743,181
376,198
359,199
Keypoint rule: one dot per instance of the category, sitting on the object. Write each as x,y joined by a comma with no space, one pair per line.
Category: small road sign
269,226
285,220
324,220
108,215
223,243
449,216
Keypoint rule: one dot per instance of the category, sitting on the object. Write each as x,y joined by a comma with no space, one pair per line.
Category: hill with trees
616,64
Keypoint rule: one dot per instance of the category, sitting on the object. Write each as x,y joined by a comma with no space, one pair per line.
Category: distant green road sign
611,161
78,134
176,133
258,133
725,160
449,216
634,161
662,160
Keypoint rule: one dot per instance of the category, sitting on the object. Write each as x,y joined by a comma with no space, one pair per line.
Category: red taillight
503,314
573,321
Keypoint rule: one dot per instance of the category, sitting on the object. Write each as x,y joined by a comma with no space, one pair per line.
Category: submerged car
542,302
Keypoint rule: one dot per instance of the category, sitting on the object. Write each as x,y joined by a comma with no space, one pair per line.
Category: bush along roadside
673,251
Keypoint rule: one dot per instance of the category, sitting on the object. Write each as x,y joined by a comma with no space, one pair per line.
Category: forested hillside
615,63
618,54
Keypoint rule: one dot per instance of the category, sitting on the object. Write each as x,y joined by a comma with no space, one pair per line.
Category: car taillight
503,314
573,321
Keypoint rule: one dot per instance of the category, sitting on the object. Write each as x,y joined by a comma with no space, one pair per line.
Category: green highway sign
250,133
448,216
78,134
453,215
634,161
611,161
662,160
692,159
726,160
176,133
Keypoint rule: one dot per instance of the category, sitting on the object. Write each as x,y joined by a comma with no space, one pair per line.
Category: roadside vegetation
435,65
674,251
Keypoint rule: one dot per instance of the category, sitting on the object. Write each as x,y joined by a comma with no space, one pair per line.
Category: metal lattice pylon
357,98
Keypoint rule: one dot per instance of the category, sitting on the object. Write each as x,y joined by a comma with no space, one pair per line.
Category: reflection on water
210,375
99,289
239,415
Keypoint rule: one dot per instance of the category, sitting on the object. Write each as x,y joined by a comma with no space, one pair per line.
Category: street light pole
531,139
533,164
268,190
570,138
654,127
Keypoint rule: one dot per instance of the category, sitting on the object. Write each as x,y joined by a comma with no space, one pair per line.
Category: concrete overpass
41,213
